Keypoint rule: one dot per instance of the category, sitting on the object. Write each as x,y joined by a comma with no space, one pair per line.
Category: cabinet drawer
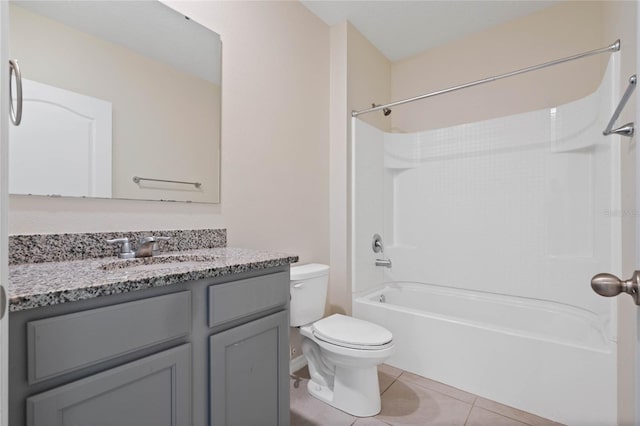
237,299
68,342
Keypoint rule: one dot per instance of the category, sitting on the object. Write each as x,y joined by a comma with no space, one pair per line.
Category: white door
4,247
636,395
61,127
628,360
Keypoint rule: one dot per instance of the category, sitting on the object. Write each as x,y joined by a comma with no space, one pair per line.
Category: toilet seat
349,332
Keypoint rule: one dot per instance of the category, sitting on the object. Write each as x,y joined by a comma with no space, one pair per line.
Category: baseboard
297,363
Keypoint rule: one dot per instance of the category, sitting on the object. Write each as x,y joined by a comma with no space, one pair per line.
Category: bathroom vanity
202,342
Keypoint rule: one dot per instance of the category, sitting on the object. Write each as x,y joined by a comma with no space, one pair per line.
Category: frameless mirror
121,100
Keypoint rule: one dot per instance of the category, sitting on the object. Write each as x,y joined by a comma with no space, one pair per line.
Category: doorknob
608,285
3,301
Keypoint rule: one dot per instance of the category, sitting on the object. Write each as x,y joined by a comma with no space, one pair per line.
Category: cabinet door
152,391
249,373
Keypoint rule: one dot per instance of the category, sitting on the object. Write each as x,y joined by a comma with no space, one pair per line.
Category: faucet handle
153,239
155,249
377,245
125,247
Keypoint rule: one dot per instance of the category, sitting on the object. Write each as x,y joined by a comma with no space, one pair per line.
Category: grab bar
627,129
137,179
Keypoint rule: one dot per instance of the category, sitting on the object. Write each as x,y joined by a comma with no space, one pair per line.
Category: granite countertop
33,285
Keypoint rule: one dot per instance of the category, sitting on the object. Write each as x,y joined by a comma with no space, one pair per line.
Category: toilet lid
351,332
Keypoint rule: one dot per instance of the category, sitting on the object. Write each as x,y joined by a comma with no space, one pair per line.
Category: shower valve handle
376,244
609,285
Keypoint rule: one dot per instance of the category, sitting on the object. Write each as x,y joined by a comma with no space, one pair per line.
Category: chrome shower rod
612,48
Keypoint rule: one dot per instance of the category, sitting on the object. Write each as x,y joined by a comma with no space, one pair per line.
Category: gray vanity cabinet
197,353
247,368
151,391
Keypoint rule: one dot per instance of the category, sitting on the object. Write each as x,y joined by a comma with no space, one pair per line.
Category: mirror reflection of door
161,79
63,147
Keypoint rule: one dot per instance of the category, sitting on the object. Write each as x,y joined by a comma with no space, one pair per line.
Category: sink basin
157,262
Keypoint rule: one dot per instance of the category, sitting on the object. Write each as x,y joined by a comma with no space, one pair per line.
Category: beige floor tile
309,411
439,387
514,413
386,376
409,399
481,417
406,403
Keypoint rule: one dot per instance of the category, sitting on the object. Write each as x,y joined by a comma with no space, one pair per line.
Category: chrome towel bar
627,129
137,179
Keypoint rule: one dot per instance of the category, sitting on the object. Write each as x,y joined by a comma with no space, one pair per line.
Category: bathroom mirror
121,100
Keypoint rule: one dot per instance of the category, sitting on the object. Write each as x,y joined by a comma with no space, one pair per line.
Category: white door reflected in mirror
160,74
63,146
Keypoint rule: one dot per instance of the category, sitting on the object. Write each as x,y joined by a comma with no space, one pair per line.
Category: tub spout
383,262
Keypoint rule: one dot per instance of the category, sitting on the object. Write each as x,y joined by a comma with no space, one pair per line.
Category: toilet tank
308,289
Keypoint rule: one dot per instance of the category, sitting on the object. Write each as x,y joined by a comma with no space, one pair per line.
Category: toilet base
355,391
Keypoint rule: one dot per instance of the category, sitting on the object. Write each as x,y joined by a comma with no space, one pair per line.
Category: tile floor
408,399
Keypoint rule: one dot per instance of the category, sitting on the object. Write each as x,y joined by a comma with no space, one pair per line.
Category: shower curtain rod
612,48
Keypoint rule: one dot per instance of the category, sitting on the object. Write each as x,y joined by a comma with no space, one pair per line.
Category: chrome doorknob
609,285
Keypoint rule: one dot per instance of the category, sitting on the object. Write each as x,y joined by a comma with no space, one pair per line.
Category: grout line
387,388
468,414
508,417
475,397
380,420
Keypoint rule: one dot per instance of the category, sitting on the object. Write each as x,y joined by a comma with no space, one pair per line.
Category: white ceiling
402,28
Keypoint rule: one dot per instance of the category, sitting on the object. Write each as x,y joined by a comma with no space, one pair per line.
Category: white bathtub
550,359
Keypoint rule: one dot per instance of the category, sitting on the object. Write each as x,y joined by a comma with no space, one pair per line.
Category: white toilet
342,352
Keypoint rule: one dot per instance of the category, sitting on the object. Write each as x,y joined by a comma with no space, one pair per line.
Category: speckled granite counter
34,285
48,269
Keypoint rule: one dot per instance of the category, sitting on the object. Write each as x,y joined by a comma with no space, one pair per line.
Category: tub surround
79,272
503,184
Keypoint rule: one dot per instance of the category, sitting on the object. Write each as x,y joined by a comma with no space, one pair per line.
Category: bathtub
546,358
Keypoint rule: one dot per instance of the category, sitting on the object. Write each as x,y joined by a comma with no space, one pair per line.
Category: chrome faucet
148,246
378,247
383,262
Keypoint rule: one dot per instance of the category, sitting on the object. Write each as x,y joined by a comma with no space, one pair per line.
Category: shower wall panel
525,205
368,206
